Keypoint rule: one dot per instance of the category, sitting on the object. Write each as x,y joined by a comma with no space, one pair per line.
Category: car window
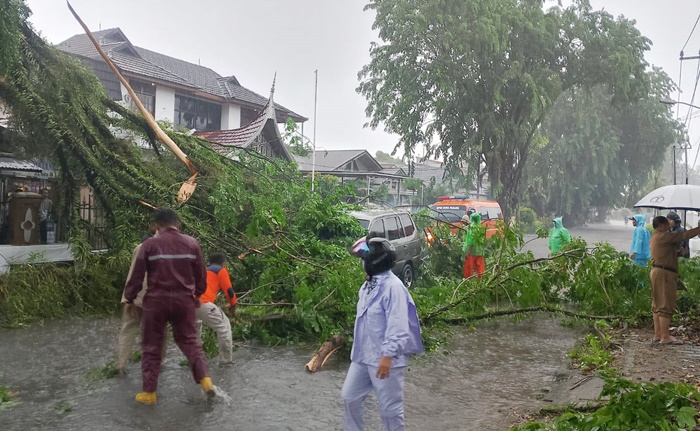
376,229
391,224
364,223
489,213
448,213
495,213
408,226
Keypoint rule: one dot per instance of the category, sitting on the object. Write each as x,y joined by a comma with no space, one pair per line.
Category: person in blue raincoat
639,251
387,332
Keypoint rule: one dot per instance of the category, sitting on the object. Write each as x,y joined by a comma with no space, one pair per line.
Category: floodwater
489,373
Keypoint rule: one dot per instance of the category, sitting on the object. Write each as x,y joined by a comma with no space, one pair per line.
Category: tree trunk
324,352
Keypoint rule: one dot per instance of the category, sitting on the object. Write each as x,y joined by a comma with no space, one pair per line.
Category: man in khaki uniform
664,276
131,322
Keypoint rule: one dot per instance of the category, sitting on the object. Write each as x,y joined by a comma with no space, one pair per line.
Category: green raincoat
476,234
558,236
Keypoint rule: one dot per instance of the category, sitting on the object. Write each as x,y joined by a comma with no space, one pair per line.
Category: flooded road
490,372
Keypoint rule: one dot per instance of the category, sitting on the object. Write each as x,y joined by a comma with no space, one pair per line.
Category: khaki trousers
130,330
213,317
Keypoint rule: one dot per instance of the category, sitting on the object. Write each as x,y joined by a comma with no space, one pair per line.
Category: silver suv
398,227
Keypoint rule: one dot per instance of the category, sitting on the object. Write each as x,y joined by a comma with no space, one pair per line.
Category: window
391,224
408,227
146,93
248,115
197,114
364,223
377,229
489,213
448,213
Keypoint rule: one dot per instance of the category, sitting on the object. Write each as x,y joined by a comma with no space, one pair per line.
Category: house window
146,93
197,114
248,115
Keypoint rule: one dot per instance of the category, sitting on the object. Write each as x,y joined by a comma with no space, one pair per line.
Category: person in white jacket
387,332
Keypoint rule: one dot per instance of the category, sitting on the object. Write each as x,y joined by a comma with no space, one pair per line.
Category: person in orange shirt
209,313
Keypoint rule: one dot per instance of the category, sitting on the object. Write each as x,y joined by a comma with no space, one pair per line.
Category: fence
94,224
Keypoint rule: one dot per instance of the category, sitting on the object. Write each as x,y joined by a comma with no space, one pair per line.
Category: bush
526,220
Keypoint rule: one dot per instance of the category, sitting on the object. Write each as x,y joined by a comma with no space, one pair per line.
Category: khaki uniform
131,325
664,273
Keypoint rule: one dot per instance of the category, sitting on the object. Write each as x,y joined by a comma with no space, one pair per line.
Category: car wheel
407,275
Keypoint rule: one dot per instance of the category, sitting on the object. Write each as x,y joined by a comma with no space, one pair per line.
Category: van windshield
364,223
448,213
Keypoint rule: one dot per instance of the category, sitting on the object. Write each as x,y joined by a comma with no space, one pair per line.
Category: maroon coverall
176,275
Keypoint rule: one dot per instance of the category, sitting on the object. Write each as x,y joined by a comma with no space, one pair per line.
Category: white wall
230,116
165,104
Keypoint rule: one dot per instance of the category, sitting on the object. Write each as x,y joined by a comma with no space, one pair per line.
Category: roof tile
154,65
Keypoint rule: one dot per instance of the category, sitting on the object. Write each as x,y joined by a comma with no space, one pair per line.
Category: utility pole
313,151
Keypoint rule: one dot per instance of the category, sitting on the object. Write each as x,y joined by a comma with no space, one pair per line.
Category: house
434,171
21,181
350,165
184,94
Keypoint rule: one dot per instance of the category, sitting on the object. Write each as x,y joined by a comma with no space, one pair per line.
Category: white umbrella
679,197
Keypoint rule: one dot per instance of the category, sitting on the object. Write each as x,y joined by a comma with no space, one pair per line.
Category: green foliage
593,354
7,398
97,374
63,407
4,395
383,157
526,220
479,76
297,143
633,406
596,152
209,344
34,292
13,14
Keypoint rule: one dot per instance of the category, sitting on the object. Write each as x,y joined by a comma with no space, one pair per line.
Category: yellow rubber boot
148,398
208,387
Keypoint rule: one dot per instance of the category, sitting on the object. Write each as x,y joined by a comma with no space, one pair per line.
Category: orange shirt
218,279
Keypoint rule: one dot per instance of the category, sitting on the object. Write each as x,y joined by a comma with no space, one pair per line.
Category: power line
690,35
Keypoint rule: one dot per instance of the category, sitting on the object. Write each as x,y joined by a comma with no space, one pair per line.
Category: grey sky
253,40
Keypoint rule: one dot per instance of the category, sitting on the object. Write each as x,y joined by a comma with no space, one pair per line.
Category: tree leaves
475,79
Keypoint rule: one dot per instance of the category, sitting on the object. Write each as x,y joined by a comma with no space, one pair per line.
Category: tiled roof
334,160
147,63
10,164
236,137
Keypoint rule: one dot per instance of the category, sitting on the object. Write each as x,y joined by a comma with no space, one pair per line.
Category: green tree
298,144
600,156
13,14
473,80
383,157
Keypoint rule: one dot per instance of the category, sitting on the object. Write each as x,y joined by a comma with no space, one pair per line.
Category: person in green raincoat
558,236
474,247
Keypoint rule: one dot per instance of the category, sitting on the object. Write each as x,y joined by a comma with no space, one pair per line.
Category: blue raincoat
640,241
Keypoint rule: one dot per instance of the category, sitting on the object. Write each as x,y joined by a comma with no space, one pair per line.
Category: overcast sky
254,39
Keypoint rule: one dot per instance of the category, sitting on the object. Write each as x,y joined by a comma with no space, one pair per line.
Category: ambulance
451,209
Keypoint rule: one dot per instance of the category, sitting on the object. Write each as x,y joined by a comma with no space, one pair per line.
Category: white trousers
359,382
213,317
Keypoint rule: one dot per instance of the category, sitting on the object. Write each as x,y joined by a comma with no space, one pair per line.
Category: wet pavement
486,378
489,373
618,234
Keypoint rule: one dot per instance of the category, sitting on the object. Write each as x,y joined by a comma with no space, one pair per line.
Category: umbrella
679,196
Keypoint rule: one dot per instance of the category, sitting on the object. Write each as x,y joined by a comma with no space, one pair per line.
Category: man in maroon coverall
177,277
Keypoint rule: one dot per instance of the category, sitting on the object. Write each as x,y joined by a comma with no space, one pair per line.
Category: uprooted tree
287,246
